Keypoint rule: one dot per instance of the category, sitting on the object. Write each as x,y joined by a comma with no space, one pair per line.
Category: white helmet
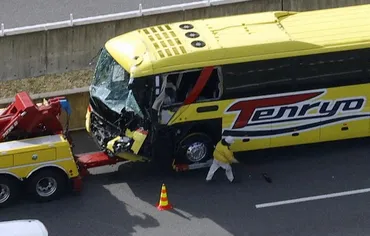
229,140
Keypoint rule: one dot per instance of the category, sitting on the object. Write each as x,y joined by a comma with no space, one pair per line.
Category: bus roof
241,38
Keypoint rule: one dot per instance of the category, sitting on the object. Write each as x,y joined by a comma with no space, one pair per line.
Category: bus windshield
110,86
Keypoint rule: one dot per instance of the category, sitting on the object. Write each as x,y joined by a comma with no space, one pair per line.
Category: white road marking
313,198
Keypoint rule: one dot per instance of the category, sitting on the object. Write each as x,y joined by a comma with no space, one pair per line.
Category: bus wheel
47,184
9,190
195,148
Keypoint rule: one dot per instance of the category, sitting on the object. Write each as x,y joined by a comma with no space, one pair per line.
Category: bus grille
165,41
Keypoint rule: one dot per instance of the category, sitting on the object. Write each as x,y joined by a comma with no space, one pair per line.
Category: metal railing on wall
112,17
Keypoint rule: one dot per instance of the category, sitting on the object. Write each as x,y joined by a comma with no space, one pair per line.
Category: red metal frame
24,115
77,183
86,161
95,159
181,167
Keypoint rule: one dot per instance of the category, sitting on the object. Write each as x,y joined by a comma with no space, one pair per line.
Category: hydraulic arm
23,118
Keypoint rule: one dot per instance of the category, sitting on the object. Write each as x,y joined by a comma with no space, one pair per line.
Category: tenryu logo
286,113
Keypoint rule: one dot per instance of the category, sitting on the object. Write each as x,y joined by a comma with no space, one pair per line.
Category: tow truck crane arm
22,118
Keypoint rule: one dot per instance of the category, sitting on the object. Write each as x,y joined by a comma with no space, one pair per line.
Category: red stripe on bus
199,85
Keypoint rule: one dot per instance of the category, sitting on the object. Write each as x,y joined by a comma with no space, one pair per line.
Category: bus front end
117,115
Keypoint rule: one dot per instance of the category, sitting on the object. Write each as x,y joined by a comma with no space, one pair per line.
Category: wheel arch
172,136
10,175
211,127
49,166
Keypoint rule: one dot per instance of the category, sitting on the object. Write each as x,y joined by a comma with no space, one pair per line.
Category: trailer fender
47,166
10,174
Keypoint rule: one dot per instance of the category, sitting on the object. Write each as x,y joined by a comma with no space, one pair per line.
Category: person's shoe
210,181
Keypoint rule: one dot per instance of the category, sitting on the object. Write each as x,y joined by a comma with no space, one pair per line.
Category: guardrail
112,17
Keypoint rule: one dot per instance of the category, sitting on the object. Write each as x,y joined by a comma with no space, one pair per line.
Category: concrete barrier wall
66,49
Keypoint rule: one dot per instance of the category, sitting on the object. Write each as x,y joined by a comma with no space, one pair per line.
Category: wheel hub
196,152
47,186
4,193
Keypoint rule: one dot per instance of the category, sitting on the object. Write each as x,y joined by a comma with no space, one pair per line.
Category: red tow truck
36,151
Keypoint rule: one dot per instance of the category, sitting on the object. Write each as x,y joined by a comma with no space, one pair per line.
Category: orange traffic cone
163,200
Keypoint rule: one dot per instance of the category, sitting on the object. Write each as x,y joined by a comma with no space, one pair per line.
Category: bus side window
331,70
258,78
189,78
179,85
213,89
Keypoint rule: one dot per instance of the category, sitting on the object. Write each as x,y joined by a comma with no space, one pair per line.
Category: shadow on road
232,206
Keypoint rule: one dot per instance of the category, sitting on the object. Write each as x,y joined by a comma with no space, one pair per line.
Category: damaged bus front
118,117
125,101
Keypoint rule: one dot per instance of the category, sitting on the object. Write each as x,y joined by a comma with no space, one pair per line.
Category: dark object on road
267,178
236,181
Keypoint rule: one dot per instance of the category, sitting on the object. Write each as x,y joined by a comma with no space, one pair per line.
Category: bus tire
195,148
47,184
9,190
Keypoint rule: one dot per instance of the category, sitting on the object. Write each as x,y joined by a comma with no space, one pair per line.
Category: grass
46,83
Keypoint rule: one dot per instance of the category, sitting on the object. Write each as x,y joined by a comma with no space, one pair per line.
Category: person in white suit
223,157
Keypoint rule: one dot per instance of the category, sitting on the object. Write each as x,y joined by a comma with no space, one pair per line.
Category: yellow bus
269,79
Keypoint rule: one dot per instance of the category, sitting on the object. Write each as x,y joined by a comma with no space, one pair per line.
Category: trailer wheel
47,185
195,148
9,191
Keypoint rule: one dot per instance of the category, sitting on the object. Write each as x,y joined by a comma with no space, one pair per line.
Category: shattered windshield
110,85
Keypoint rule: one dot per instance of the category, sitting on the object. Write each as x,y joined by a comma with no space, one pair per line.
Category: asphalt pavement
123,202
17,13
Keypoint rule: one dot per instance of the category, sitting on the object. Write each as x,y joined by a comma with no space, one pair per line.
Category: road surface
17,13
123,202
